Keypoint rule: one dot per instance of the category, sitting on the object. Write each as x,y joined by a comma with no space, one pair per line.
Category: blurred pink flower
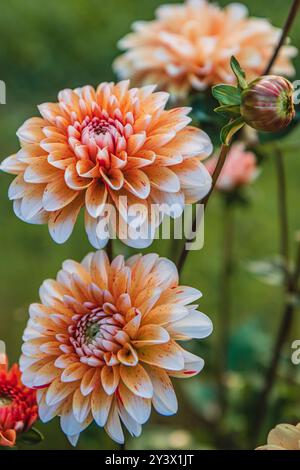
188,46
240,168
283,437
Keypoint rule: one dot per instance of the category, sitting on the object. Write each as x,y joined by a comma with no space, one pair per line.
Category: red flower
18,408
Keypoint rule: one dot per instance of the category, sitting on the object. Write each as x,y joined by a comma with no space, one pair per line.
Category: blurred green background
52,44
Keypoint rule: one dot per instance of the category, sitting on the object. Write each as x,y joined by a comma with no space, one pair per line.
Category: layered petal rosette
103,346
102,147
188,47
18,407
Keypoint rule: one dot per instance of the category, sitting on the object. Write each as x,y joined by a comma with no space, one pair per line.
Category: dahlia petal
57,195
137,380
137,182
195,325
73,372
46,413
95,199
135,142
68,422
113,426
114,178
57,160
163,178
190,142
73,439
45,375
164,398
110,379
18,188
146,299
144,158
194,178
181,295
31,130
12,165
137,407
100,403
149,335
58,390
158,140
65,360
40,218
132,327
128,356
192,366
97,240
61,222
40,171
89,381
99,269
167,356
32,202
74,181
165,314
81,406
134,428
164,274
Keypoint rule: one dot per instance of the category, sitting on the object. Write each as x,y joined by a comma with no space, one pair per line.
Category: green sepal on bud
265,104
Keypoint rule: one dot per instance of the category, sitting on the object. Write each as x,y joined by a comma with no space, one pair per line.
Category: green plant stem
221,160
224,322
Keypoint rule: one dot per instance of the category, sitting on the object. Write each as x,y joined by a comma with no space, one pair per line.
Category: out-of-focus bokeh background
51,44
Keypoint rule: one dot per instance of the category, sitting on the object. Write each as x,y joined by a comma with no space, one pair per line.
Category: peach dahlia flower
94,146
18,407
102,345
283,437
188,47
240,168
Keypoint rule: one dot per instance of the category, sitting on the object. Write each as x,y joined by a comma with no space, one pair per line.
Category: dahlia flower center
94,334
103,132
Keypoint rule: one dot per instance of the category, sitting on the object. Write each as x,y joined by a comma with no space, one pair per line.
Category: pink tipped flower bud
267,103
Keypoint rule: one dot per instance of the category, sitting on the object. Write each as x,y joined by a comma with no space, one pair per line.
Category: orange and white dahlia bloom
94,146
102,345
240,168
18,407
188,47
283,437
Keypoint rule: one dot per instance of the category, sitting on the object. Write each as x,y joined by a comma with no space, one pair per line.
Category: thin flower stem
285,31
225,305
221,160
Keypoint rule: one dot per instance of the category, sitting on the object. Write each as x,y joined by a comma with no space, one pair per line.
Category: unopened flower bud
267,103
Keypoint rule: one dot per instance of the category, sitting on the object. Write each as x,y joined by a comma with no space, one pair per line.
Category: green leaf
227,94
31,437
239,73
228,110
230,129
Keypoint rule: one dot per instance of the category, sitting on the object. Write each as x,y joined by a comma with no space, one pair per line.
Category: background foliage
51,44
